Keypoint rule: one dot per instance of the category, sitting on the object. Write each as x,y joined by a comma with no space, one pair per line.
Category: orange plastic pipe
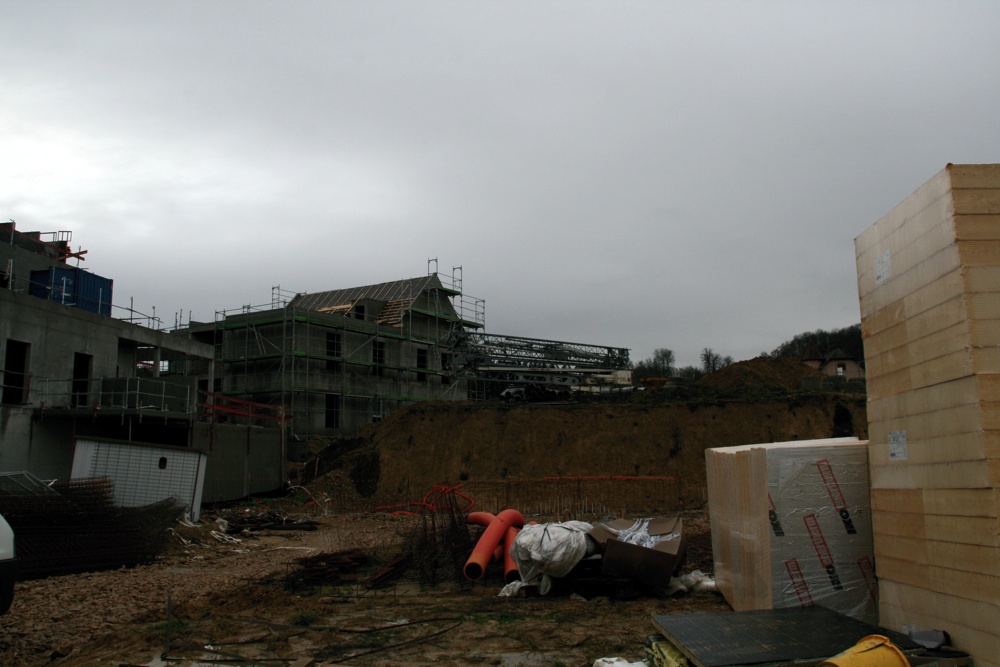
510,571
480,518
487,544
484,519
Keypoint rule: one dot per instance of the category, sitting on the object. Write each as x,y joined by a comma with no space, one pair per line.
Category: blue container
72,286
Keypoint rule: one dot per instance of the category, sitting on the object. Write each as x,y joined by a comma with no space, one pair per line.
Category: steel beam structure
492,354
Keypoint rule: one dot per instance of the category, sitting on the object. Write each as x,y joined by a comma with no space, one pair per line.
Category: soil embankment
660,432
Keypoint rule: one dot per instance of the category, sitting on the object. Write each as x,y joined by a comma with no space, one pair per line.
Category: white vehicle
8,565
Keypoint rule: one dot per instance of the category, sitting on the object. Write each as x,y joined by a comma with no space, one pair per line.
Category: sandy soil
662,432
242,603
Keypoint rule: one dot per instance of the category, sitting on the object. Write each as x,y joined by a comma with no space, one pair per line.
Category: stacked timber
929,287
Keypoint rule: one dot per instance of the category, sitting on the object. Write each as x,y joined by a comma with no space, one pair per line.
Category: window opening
333,349
82,365
378,357
332,411
15,372
421,364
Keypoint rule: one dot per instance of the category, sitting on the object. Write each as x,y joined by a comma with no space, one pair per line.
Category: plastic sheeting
548,550
638,534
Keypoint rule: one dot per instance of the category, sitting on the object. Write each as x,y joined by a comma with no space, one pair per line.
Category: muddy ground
250,602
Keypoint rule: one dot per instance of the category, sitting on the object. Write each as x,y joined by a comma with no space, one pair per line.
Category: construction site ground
209,600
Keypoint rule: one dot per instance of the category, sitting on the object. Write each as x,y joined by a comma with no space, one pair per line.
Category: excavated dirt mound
772,372
443,444
659,433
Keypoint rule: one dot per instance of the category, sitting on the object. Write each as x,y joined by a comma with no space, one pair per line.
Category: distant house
835,363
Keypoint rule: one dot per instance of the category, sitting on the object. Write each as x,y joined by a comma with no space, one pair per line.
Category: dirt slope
450,443
657,432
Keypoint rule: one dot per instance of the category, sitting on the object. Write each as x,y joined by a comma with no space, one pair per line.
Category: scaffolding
339,360
336,368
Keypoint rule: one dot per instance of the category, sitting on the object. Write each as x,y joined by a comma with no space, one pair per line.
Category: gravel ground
54,617
218,593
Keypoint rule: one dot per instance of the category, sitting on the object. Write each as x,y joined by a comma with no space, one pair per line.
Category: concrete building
83,393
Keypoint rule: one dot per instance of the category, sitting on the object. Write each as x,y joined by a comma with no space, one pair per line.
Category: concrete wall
21,260
51,448
34,435
42,446
242,460
15,438
57,332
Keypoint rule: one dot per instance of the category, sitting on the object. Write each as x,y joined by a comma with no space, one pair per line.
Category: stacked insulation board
791,526
929,288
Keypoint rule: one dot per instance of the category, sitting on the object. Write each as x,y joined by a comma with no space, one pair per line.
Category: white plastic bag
695,581
548,550
618,662
638,533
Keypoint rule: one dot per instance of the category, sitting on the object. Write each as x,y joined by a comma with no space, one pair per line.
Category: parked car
8,565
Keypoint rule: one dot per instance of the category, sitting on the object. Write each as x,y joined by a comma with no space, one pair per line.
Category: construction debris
243,520
74,526
388,572
311,574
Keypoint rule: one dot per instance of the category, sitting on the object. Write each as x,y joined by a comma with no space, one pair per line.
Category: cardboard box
624,556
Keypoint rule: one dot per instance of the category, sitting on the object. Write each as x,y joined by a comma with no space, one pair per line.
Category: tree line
847,341
663,364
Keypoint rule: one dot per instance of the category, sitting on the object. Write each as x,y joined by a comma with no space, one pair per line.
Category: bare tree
689,373
661,364
711,362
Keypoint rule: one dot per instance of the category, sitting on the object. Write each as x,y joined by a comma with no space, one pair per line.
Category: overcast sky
635,174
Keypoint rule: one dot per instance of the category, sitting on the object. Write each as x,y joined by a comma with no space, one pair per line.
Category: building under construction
211,412
88,389
341,359
338,360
